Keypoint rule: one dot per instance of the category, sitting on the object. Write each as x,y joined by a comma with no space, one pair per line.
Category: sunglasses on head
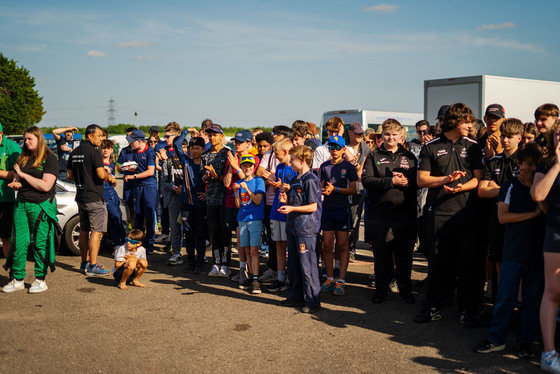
132,241
335,147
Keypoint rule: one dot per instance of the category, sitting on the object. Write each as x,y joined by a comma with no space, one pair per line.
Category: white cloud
93,53
133,44
501,43
143,58
497,26
32,47
382,8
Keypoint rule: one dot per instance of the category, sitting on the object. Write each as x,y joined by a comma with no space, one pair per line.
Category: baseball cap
135,135
243,136
442,110
154,128
247,158
338,140
356,128
495,110
215,128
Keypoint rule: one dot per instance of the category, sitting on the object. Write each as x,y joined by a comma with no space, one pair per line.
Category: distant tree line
121,129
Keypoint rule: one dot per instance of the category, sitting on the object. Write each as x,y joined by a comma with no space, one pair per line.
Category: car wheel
71,235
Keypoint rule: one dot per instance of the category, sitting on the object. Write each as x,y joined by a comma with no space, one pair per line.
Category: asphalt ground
188,323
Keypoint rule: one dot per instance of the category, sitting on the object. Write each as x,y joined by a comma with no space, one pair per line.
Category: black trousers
216,218
393,244
356,213
272,262
194,226
453,260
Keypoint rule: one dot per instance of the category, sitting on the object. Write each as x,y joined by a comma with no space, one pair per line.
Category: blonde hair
41,152
302,153
391,124
284,144
173,127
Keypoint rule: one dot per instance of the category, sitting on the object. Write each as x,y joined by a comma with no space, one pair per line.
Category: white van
371,119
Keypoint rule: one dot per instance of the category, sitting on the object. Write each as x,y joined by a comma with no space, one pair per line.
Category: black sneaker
247,284
199,268
407,297
277,286
487,346
428,314
525,350
255,287
378,297
466,320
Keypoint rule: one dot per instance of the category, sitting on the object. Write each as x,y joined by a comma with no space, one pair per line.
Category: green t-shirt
9,153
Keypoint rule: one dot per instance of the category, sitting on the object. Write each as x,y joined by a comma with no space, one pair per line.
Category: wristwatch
135,176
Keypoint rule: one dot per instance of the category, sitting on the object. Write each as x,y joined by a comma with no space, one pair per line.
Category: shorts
93,216
250,233
6,219
278,229
119,272
552,240
336,219
231,218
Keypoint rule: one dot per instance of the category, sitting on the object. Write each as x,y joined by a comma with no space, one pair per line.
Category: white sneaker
161,238
38,286
214,271
550,362
268,276
13,286
224,272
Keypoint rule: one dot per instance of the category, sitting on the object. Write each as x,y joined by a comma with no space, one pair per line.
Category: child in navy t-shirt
522,259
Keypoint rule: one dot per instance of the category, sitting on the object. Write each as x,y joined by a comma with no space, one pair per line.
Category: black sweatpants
216,218
393,244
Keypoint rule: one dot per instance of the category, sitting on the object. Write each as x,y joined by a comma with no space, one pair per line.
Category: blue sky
262,63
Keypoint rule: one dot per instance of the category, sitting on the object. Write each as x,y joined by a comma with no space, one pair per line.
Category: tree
20,104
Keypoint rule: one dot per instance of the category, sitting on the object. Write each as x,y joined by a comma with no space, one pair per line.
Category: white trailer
371,119
519,97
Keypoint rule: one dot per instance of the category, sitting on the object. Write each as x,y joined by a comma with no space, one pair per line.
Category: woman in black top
35,211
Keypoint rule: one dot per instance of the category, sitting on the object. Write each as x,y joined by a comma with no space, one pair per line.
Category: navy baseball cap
215,128
243,136
338,140
154,128
135,135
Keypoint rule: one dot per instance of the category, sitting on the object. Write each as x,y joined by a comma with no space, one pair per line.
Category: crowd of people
481,200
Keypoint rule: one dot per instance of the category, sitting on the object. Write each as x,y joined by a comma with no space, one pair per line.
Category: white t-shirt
269,163
122,251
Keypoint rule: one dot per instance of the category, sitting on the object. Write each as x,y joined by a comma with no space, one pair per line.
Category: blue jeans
511,273
116,227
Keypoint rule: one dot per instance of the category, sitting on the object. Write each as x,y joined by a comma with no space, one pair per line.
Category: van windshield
348,119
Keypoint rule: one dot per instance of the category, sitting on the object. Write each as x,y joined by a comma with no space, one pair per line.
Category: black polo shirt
441,157
498,169
83,162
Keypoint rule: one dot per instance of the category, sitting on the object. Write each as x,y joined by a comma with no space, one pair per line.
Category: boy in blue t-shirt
338,178
303,222
116,228
248,193
281,183
522,259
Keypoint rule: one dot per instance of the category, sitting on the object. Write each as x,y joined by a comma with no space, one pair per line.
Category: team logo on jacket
498,171
463,152
404,163
302,248
441,152
383,161
343,173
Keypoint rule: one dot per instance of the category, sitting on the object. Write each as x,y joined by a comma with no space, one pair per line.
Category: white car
68,217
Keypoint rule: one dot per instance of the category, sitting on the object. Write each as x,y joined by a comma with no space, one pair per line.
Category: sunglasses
167,136
370,141
422,131
335,147
152,142
132,241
